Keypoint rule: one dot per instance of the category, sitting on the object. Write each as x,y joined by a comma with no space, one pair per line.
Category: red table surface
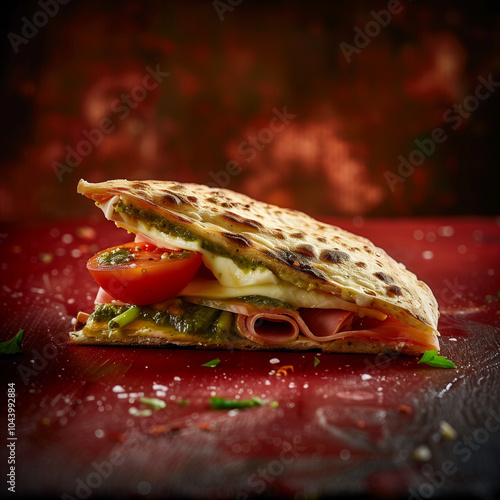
339,428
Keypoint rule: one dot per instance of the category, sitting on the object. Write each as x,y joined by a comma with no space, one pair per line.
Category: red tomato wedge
140,273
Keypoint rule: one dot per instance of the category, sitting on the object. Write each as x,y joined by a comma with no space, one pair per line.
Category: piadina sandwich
216,269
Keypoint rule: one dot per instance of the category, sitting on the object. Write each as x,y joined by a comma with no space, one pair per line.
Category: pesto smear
116,257
182,316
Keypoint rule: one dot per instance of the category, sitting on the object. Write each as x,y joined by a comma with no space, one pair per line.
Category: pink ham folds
281,326
323,325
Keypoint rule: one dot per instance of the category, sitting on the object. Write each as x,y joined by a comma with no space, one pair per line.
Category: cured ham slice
279,326
266,328
324,325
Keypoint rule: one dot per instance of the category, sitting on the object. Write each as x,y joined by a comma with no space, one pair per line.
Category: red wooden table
349,425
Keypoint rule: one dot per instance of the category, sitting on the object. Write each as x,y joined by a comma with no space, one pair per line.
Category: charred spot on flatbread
335,256
394,290
384,277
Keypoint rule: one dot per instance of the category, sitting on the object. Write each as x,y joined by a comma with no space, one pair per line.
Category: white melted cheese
232,281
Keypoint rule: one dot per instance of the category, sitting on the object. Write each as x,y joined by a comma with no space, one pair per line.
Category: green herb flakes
218,403
140,413
212,363
12,346
431,358
155,403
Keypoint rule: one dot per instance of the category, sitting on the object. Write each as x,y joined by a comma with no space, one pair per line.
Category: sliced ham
325,325
267,328
283,325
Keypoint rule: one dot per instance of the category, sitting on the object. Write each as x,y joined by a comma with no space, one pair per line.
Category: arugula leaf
431,358
316,362
12,346
155,403
219,403
212,363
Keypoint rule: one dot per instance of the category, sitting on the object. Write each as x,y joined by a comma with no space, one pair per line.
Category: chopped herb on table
316,362
218,403
431,358
212,363
140,413
155,403
12,346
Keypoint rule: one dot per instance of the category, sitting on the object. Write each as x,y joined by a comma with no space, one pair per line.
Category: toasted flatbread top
293,245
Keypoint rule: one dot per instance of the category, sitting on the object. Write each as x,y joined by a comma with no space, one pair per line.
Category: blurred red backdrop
338,108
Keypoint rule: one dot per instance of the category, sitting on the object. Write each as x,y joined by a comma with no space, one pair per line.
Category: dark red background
354,115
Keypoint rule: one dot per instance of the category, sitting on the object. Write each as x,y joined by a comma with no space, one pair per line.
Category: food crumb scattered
447,431
46,258
421,453
284,370
405,409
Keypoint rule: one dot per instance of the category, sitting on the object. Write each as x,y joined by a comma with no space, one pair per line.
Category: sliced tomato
141,273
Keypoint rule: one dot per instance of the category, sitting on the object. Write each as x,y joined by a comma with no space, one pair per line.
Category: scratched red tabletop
350,425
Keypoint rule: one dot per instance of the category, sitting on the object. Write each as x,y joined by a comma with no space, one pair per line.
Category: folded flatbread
281,279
